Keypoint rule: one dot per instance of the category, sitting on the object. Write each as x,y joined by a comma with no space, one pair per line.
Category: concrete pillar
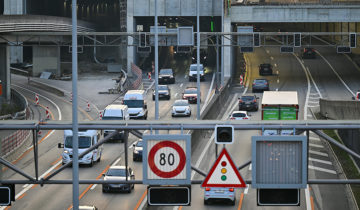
227,50
130,28
46,58
5,73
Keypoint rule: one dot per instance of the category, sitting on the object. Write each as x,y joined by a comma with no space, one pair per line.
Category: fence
14,140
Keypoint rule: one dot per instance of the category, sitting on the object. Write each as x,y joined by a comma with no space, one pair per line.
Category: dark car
166,76
260,85
265,69
164,92
309,53
190,94
118,173
248,102
203,57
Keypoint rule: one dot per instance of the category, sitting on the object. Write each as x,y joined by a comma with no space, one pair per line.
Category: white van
116,112
135,100
193,72
87,138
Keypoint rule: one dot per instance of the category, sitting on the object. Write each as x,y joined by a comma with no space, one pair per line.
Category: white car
240,115
357,96
181,108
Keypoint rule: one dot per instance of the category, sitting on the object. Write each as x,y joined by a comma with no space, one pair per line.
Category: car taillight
232,118
240,101
245,118
207,189
254,100
231,189
266,83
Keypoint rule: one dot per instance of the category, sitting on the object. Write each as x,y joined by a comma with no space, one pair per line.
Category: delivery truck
279,105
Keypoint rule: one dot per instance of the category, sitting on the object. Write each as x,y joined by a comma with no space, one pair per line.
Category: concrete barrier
344,110
339,109
47,87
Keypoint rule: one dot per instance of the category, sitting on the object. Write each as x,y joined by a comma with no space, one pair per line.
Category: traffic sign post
167,159
169,196
224,173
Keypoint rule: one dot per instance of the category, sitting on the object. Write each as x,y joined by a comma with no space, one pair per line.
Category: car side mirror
103,174
134,144
145,106
60,145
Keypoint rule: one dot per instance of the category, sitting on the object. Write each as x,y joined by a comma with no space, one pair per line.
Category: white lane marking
322,169
131,146
31,185
314,94
314,106
275,64
267,51
143,203
314,138
332,68
57,107
307,197
25,185
318,153
176,94
250,167
313,81
278,80
316,145
181,84
93,187
272,58
313,102
320,161
246,189
210,89
277,72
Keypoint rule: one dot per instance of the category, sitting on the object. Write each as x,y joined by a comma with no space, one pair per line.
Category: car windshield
260,81
134,103
84,142
111,118
194,68
162,87
166,71
139,144
239,115
247,98
190,91
265,65
116,172
181,103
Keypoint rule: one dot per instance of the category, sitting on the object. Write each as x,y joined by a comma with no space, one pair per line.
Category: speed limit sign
166,159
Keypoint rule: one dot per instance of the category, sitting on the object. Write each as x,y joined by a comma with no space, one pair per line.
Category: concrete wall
46,59
296,13
175,7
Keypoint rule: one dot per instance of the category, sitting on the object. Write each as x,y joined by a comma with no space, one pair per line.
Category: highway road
328,76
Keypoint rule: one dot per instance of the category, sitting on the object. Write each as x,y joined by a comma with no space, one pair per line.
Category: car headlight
66,152
136,152
88,156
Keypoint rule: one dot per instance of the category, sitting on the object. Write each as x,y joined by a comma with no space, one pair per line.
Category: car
115,173
219,194
166,76
138,150
193,72
309,53
203,56
357,96
248,102
239,115
86,207
181,108
190,94
260,85
265,69
116,112
164,92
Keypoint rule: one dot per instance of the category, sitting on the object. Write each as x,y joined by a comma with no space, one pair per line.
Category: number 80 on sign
166,159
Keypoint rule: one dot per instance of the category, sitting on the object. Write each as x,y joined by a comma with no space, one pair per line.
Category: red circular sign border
159,172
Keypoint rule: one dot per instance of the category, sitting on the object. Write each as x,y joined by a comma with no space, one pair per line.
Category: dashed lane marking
314,138
318,153
316,145
320,161
322,169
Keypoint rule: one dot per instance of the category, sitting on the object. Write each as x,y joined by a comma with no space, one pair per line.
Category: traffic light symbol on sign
224,134
223,170
352,38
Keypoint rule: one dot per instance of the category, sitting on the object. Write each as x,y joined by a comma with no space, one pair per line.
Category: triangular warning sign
224,173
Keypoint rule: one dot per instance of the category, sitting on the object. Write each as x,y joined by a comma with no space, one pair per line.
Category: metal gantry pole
198,58
156,63
217,64
74,110
222,44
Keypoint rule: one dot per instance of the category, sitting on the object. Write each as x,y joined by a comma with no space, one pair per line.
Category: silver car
181,108
219,194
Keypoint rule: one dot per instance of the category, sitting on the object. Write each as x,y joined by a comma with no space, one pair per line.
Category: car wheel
134,159
153,98
98,160
91,163
129,191
206,202
104,190
232,202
